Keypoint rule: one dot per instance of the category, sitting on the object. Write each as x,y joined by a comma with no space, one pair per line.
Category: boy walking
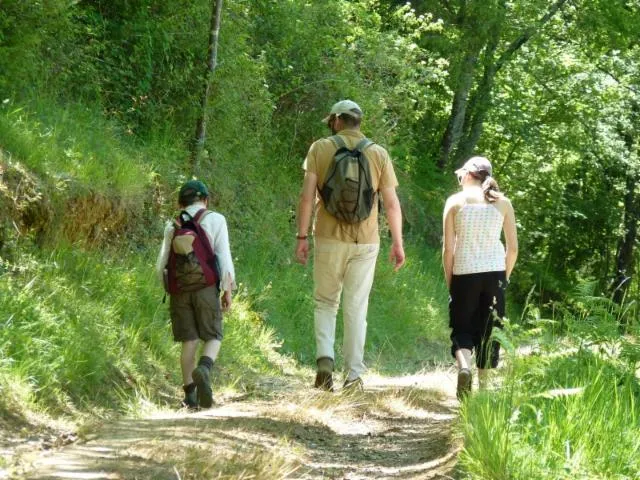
195,265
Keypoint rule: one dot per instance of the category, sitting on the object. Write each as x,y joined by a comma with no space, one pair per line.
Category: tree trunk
458,108
473,115
624,257
201,124
480,102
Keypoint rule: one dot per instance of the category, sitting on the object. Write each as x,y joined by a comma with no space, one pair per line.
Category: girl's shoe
464,383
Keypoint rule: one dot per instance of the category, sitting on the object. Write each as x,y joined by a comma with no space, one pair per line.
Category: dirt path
399,427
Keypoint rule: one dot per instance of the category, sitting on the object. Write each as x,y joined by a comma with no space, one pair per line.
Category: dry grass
246,463
24,205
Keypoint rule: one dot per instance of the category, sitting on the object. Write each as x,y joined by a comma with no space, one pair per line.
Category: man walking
346,245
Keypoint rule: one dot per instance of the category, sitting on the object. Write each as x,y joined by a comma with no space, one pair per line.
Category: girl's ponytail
491,189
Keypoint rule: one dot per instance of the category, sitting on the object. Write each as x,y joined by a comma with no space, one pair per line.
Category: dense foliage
545,89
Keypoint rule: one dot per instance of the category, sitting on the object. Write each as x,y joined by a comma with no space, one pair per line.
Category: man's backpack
192,263
347,192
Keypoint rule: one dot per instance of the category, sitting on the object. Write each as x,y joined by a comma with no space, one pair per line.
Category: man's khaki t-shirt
319,160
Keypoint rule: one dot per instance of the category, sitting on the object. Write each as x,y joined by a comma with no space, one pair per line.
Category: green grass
407,318
74,146
85,329
82,321
79,328
561,413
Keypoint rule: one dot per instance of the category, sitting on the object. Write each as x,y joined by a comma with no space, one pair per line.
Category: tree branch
527,34
617,80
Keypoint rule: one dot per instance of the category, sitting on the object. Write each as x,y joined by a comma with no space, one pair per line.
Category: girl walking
477,267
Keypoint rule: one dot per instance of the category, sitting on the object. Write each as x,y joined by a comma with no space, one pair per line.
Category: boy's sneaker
202,379
190,397
324,377
464,383
354,385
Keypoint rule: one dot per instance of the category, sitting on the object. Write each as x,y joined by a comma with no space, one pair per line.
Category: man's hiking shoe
190,397
202,379
324,381
324,377
354,385
464,383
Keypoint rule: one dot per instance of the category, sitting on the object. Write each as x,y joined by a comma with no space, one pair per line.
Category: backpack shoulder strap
178,221
362,144
200,214
204,238
339,141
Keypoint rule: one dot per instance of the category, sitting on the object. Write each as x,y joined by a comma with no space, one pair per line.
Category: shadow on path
391,430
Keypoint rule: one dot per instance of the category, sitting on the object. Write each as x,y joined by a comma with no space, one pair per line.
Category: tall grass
73,144
407,326
570,410
89,329
81,326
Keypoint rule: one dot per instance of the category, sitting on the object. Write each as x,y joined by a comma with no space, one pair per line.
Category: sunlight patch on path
398,427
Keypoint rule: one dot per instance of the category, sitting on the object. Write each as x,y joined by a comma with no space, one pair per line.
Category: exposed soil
398,427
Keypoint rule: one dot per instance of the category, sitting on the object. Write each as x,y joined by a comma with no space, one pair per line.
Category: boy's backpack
192,264
347,192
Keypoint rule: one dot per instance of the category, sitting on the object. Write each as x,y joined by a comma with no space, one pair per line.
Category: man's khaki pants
346,268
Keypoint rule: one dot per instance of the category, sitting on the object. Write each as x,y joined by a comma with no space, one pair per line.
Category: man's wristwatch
301,237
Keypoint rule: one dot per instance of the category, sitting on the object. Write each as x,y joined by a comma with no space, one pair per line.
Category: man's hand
226,301
397,256
302,251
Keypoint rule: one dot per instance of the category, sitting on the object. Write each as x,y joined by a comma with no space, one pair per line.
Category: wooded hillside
99,104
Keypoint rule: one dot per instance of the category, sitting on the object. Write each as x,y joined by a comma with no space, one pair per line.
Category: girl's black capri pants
476,306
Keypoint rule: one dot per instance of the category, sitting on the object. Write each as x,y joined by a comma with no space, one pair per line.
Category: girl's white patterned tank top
478,246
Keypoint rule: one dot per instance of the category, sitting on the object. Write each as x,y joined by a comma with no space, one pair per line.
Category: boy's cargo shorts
196,315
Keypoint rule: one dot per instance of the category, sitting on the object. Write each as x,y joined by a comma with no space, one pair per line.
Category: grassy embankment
567,409
83,326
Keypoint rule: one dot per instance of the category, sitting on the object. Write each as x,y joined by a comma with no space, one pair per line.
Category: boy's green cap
195,185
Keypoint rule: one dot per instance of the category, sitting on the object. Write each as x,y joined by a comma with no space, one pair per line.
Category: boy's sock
206,361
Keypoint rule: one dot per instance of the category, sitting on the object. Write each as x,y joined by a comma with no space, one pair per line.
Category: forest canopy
548,90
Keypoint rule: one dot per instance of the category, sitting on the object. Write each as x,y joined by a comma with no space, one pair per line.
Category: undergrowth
86,329
569,409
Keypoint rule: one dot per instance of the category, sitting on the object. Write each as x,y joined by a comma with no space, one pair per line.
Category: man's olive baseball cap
344,107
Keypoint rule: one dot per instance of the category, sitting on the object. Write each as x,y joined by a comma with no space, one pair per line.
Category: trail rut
398,427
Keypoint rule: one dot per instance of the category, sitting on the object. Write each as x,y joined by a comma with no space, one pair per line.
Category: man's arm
303,219
394,218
